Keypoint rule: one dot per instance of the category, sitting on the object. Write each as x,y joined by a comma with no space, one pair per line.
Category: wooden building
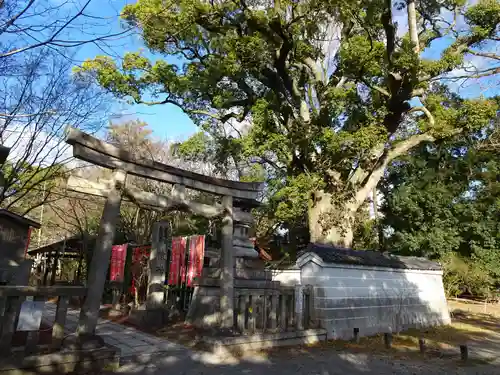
15,233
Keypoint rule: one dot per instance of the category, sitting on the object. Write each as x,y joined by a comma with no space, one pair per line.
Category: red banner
177,262
182,259
196,256
140,252
117,264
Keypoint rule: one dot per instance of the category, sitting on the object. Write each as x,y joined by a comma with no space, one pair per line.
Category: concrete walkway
130,341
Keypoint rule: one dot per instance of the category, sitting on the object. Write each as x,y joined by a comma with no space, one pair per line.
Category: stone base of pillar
150,318
204,310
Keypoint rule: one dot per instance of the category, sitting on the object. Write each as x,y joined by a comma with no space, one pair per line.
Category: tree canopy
319,96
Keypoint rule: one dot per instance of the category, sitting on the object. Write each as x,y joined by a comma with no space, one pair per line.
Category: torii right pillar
227,266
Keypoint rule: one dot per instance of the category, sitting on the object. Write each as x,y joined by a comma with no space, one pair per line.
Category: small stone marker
157,264
356,335
421,345
388,340
464,352
30,316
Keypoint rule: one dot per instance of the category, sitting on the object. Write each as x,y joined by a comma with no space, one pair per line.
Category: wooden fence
263,310
11,299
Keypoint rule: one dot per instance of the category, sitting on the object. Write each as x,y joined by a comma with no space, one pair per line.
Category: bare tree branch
49,31
11,22
480,74
484,54
6,115
38,154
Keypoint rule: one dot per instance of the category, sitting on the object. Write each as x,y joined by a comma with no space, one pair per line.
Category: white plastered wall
373,299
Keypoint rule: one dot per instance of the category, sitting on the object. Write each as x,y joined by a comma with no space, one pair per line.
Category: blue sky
166,121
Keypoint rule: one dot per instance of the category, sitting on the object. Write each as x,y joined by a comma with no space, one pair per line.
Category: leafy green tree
443,202
463,276
260,81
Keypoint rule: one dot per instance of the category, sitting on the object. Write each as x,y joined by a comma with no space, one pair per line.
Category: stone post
101,255
464,352
227,266
157,265
299,308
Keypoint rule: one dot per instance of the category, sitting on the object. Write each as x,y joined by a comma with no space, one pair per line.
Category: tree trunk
412,25
329,224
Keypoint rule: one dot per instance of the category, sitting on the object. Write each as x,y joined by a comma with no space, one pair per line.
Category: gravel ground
324,363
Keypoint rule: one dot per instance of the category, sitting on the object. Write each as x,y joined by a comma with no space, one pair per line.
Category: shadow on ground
368,356
307,362
484,321
340,357
479,332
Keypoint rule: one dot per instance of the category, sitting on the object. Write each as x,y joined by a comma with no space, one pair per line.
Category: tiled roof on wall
332,254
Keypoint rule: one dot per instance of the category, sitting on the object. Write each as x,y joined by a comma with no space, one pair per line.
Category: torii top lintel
93,150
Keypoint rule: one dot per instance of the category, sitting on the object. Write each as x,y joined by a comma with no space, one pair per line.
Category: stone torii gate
237,199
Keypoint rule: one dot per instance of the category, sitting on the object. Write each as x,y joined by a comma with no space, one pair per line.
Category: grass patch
111,367
466,327
443,339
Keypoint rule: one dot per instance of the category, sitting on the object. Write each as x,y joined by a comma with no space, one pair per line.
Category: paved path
130,341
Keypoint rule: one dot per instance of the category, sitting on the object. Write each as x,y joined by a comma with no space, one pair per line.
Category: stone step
260,341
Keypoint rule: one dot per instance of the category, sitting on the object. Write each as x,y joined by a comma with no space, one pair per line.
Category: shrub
464,276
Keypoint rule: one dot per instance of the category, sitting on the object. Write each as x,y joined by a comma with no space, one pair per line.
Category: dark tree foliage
443,202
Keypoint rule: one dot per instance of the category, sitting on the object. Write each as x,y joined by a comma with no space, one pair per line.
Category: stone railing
11,299
267,310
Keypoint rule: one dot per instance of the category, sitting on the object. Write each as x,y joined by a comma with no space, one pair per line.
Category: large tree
323,94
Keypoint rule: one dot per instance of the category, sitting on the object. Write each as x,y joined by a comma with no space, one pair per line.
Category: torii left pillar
101,255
